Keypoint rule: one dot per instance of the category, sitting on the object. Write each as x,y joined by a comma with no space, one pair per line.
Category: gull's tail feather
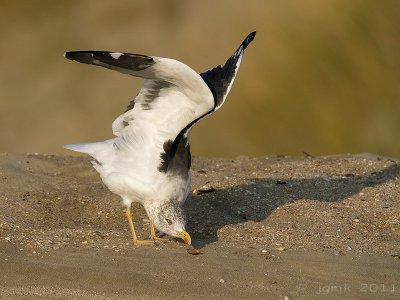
82,147
90,148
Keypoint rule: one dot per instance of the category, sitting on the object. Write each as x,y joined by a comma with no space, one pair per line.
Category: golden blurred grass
321,76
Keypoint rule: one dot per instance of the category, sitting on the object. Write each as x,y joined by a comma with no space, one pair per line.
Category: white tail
82,147
90,148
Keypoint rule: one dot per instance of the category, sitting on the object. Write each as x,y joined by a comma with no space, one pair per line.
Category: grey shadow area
257,199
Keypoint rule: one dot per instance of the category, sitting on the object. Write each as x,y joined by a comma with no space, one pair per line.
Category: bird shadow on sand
256,200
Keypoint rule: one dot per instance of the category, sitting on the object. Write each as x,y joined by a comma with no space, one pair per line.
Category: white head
169,218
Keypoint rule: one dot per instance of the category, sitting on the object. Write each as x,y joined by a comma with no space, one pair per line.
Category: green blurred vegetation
320,77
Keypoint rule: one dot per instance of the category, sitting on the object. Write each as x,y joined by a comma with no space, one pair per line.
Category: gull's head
170,219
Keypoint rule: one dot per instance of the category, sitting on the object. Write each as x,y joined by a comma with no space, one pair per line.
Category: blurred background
320,77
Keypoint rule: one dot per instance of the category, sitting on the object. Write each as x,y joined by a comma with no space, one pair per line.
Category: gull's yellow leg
135,240
153,235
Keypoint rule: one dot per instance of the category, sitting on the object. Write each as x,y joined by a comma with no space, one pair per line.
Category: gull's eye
168,221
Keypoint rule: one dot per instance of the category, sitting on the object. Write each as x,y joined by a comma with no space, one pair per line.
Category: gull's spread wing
172,96
172,99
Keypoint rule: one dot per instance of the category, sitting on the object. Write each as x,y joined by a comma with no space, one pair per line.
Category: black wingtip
70,55
80,56
248,39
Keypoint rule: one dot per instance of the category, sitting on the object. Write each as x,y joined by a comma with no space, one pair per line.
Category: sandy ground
274,227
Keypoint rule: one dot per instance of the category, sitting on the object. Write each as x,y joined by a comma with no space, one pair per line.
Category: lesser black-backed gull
148,161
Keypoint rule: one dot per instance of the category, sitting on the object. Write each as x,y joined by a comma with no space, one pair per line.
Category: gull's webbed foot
143,242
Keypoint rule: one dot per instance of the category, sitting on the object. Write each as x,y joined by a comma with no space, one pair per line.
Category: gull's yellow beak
185,237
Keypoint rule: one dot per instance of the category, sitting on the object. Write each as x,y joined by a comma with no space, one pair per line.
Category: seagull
148,161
